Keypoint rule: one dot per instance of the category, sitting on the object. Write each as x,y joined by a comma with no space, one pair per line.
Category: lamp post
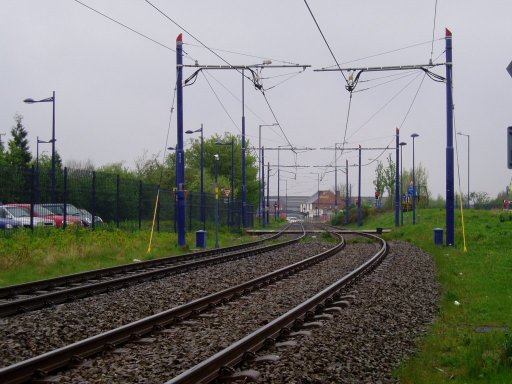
53,181
216,156
203,219
463,134
401,183
414,135
262,172
231,200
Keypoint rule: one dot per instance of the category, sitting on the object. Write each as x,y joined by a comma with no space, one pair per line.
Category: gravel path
34,333
367,340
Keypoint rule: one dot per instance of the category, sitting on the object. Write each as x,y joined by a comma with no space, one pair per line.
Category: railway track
47,362
45,293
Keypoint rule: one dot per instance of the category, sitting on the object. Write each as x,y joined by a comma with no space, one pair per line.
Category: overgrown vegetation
455,351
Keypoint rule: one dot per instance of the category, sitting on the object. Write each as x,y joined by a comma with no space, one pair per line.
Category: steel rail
225,360
52,283
14,307
43,364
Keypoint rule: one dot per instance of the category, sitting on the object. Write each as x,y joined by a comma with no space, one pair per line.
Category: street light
463,134
216,156
401,182
231,201
414,135
189,132
47,100
262,172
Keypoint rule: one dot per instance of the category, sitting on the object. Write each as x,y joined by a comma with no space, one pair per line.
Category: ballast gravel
31,334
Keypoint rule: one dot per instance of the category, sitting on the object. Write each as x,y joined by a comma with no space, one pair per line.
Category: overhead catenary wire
385,105
433,31
244,54
325,40
385,52
222,105
128,27
225,61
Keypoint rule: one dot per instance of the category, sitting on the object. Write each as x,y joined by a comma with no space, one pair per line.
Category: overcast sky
114,88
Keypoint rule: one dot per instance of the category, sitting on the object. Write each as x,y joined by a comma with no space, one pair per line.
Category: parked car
9,223
88,215
23,216
40,211
72,211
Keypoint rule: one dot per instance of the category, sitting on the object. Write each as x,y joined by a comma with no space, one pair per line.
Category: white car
22,215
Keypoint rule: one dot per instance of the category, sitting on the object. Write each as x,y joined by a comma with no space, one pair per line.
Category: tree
18,150
193,164
421,176
385,179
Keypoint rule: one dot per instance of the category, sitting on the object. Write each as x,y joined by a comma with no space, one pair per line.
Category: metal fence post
93,198
64,224
189,201
158,210
140,204
118,183
32,197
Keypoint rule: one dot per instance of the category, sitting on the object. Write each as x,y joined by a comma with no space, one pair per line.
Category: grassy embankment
28,256
479,279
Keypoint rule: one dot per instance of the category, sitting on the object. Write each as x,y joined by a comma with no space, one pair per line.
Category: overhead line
325,40
124,25
221,58
222,105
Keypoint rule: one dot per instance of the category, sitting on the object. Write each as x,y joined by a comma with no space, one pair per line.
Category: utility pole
180,153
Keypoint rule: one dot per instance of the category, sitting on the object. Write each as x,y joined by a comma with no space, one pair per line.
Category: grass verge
471,340
29,256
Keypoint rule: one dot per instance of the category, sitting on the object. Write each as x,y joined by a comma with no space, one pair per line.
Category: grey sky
114,88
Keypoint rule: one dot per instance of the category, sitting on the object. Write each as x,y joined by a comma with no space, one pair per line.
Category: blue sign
411,191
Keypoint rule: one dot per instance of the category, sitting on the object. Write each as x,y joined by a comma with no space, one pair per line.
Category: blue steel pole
203,218
414,135
244,190
54,184
180,155
263,215
397,181
359,206
450,195
347,201
216,201
232,179
335,179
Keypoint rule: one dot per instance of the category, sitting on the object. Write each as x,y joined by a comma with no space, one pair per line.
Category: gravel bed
164,355
34,333
393,307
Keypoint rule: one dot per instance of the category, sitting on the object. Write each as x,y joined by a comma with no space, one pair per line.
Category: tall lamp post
463,134
401,183
232,143
262,172
189,132
414,135
53,181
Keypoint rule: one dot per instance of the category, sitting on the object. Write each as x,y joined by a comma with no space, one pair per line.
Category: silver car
22,215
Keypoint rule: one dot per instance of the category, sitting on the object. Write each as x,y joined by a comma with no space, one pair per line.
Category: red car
40,211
